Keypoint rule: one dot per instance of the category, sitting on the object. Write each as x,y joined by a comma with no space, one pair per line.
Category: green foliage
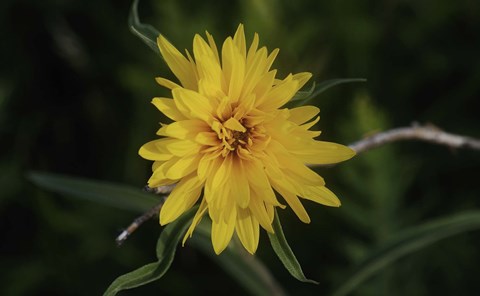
285,253
115,195
407,242
304,97
147,33
166,247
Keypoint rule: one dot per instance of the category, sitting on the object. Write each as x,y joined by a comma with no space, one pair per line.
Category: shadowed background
75,91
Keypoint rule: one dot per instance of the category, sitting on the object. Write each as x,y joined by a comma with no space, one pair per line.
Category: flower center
234,136
240,138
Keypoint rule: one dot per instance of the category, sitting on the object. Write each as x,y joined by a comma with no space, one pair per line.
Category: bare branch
123,236
416,132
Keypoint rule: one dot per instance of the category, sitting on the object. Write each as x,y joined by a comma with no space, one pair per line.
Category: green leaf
285,253
166,247
408,242
302,97
147,33
243,267
116,195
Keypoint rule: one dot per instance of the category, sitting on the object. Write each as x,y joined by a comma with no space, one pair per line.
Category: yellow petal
279,95
192,104
207,167
166,83
255,69
239,40
247,230
222,231
302,78
264,85
168,107
151,151
182,147
253,49
223,173
196,220
183,167
209,70
259,182
233,64
240,189
271,58
159,176
303,114
309,125
207,138
321,152
291,199
322,195
183,196
179,65
235,125
270,211
289,162
185,129
257,207
213,46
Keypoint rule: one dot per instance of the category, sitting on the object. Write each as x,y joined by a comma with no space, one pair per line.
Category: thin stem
426,133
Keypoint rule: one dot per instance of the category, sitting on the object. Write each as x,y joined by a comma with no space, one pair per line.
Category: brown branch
416,132
427,133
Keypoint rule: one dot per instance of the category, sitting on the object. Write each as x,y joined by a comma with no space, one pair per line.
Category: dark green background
75,91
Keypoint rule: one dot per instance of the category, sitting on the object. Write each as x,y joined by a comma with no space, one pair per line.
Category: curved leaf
285,253
302,97
166,247
246,270
408,242
115,195
147,33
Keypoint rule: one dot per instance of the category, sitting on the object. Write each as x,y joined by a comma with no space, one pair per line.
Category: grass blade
303,97
111,194
166,247
147,33
408,242
285,253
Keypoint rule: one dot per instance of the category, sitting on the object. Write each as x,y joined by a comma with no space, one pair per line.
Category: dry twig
427,133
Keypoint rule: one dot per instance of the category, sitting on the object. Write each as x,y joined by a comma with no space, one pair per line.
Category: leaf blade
285,253
147,33
116,195
303,97
408,242
166,248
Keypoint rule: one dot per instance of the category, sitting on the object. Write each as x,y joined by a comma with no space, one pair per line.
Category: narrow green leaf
285,253
408,242
244,268
166,247
147,33
302,97
302,94
116,195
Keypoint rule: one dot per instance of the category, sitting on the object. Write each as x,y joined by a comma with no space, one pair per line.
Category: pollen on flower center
234,136
241,139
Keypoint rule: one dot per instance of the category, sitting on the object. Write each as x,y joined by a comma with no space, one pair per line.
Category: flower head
232,140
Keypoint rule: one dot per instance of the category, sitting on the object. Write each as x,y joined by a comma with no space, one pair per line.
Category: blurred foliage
75,87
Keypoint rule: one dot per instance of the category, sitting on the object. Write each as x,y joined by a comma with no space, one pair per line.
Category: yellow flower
232,139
